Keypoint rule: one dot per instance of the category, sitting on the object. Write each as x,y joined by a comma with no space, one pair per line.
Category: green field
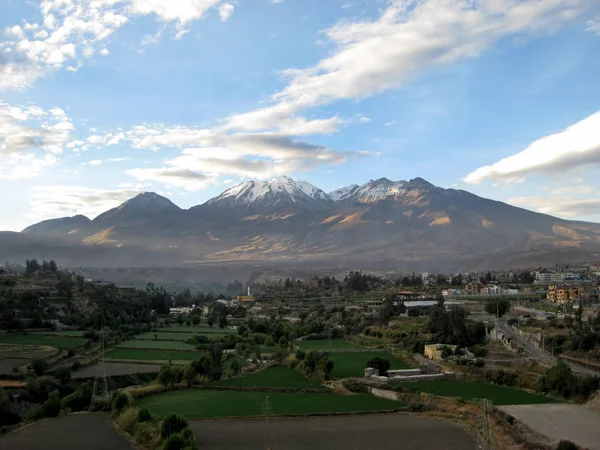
467,390
158,345
272,377
153,355
40,339
353,364
195,330
59,333
165,336
208,404
325,345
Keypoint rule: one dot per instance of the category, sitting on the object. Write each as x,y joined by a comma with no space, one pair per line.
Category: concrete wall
392,373
390,395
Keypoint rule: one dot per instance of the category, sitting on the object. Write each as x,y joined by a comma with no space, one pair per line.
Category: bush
355,386
145,391
144,415
566,445
479,363
80,399
479,351
174,442
119,401
417,407
51,407
383,365
63,374
172,424
127,420
39,366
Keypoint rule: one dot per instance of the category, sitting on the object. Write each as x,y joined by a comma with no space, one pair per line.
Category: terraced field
40,339
195,330
352,364
159,356
326,345
195,404
165,336
59,333
468,390
272,377
156,345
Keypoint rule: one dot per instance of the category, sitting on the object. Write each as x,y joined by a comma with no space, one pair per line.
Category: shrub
417,407
479,351
144,415
51,407
39,366
144,391
383,365
174,442
172,424
479,363
127,420
80,399
566,445
119,401
355,386
63,374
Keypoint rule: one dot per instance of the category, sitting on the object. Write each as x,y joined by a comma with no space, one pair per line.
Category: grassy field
272,377
39,339
498,395
207,404
156,345
165,336
352,364
59,333
153,355
324,345
195,330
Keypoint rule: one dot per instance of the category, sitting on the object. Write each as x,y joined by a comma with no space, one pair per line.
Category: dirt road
561,421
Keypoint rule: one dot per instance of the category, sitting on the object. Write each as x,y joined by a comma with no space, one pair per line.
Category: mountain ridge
384,222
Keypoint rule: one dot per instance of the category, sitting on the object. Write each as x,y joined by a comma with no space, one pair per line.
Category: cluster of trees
316,365
560,380
454,328
497,307
32,266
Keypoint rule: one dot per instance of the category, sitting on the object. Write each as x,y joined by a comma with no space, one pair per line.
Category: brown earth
71,432
7,364
560,421
117,369
382,432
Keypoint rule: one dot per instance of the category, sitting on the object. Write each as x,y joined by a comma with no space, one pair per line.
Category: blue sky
102,99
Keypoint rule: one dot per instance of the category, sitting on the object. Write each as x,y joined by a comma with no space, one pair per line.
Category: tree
52,266
189,374
269,341
172,424
222,320
499,307
210,320
63,374
166,376
383,365
39,366
51,407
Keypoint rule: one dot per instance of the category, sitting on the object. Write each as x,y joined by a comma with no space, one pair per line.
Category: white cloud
119,159
59,201
389,124
411,36
95,162
594,26
75,30
175,176
577,146
562,206
225,11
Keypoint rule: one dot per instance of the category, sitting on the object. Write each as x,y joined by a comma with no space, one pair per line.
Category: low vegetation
272,377
211,404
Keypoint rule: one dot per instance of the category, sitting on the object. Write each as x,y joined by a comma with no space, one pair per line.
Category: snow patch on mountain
281,190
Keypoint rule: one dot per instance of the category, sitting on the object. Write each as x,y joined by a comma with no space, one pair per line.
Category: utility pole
100,394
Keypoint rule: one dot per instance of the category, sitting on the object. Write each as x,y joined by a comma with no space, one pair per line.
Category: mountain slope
383,223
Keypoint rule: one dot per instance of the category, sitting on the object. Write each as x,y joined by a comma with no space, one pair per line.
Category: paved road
560,421
537,353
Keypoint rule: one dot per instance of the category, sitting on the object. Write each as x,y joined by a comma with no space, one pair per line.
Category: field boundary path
560,421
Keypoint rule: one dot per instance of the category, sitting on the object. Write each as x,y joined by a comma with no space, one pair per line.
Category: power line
100,396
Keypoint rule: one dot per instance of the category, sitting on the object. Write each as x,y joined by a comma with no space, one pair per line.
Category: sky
103,99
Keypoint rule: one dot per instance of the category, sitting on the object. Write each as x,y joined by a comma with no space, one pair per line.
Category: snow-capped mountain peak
278,191
372,191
